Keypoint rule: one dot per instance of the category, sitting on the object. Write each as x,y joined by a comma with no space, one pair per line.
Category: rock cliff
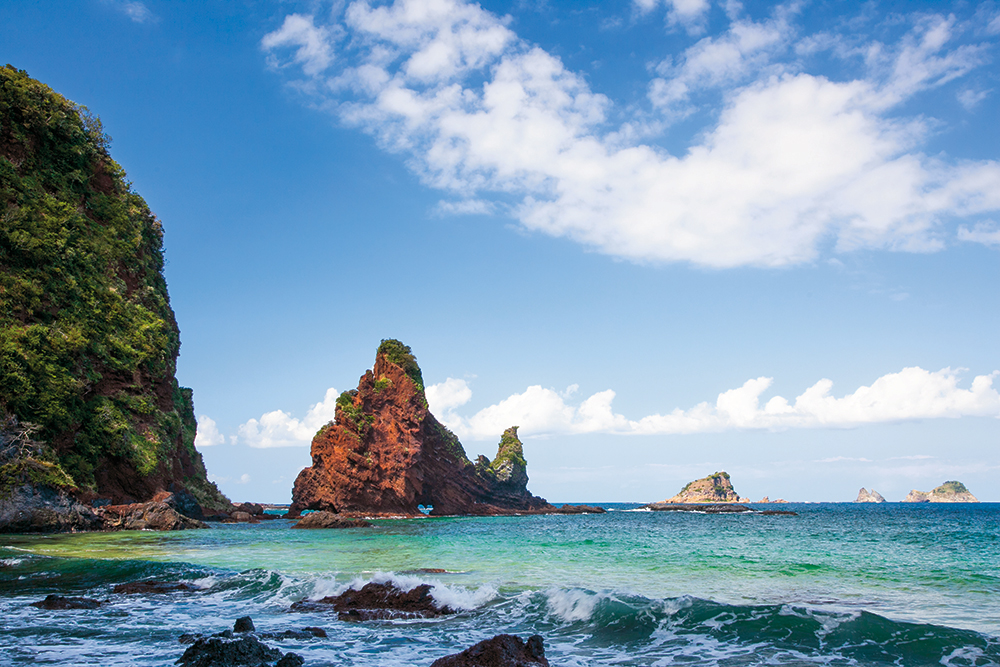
949,492
864,496
715,488
385,454
88,340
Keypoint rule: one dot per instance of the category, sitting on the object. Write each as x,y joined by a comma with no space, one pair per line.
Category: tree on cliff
88,341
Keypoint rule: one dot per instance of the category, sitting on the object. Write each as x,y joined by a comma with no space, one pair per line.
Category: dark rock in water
501,651
315,632
377,602
60,602
253,509
147,516
222,651
152,587
577,509
244,624
385,454
240,517
718,508
779,513
305,633
330,520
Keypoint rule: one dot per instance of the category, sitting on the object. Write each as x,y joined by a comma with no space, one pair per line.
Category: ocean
839,584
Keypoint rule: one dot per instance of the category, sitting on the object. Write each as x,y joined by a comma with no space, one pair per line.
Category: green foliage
402,356
511,451
382,383
352,413
88,341
949,488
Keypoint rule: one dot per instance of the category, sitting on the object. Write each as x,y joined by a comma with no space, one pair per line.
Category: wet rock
241,517
330,520
376,601
58,602
305,633
247,650
152,587
577,509
501,651
153,515
253,509
44,509
778,513
244,624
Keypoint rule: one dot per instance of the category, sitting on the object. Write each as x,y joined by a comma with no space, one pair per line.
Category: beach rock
385,455
949,492
715,488
36,508
873,496
330,520
247,650
58,602
240,517
153,588
253,509
376,601
728,508
147,516
501,651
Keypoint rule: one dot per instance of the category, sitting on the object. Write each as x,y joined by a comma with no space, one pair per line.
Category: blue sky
664,237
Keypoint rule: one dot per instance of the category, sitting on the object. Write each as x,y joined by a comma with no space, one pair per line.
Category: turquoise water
839,584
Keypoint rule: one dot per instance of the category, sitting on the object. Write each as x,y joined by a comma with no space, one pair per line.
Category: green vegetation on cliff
88,341
402,356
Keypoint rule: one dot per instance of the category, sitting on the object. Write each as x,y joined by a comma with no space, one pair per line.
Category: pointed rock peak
509,464
395,352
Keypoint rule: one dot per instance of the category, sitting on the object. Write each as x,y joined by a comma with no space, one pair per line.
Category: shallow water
839,584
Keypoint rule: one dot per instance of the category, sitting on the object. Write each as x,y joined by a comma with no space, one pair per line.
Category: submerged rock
703,508
386,455
330,520
375,601
949,492
58,602
153,587
577,509
866,496
716,488
501,651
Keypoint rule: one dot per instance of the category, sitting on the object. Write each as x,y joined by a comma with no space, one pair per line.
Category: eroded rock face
385,454
501,651
949,492
712,489
146,516
330,520
873,496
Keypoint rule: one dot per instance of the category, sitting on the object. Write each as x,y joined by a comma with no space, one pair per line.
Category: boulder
147,516
58,602
501,651
223,651
253,509
330,520
375,601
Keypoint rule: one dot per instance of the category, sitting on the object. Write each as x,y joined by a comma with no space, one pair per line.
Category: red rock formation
385,454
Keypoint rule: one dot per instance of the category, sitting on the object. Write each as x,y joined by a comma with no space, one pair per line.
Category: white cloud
793,160
448,395
986,233
208,434
910,394
133,9
314,51
279,429
689,13
970,98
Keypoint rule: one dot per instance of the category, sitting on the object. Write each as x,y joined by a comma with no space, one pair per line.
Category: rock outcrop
866,496
88,340
501,651
330,520
378,602
715,488
949,492
386,455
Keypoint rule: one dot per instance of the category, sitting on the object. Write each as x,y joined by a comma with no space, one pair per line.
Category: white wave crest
445,595
573,604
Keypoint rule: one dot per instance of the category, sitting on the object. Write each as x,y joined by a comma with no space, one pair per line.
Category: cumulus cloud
689,13
791,161
135,10
911,394
280,429
208,434
986,233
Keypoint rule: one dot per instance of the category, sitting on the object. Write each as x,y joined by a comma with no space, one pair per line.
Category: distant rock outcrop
386,455
873,496
949,492
715,488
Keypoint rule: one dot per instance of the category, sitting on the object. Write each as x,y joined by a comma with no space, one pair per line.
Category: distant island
866,496
949,492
